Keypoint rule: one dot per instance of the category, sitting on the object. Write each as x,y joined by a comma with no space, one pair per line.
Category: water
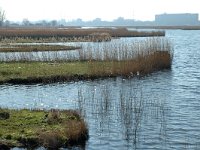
160,111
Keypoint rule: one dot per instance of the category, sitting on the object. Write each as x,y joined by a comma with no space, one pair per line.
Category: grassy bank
46,72
40,72
33,128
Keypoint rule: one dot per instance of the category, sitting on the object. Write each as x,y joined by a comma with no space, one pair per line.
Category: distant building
177,19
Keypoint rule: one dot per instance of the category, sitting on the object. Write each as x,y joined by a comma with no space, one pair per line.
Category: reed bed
125,50
37,33
94,37
106,52
92,61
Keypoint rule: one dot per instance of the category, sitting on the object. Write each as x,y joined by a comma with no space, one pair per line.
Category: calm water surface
160,111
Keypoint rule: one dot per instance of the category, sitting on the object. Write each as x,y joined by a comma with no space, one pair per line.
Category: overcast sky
17,10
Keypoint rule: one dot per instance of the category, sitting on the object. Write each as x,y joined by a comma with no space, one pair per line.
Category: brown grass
142,65
51,140
76,131
142,57
72,32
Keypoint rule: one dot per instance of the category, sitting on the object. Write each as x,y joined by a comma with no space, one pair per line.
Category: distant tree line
80,23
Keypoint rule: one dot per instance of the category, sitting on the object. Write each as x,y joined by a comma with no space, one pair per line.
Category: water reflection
124,110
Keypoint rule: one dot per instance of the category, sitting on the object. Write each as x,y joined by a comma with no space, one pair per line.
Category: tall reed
139,57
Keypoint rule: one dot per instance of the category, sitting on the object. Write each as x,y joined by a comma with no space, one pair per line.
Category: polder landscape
99,87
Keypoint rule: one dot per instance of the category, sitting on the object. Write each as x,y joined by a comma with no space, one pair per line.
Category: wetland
157,110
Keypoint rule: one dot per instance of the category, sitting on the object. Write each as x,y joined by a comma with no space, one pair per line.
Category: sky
145,10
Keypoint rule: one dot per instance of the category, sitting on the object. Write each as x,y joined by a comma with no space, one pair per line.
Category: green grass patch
11,71
33,128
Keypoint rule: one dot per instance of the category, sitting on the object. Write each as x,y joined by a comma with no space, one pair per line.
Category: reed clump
32,128
129,59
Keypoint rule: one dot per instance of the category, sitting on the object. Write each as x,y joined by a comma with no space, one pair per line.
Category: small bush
51,140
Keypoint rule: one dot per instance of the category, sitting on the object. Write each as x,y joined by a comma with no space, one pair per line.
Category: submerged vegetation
32,128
